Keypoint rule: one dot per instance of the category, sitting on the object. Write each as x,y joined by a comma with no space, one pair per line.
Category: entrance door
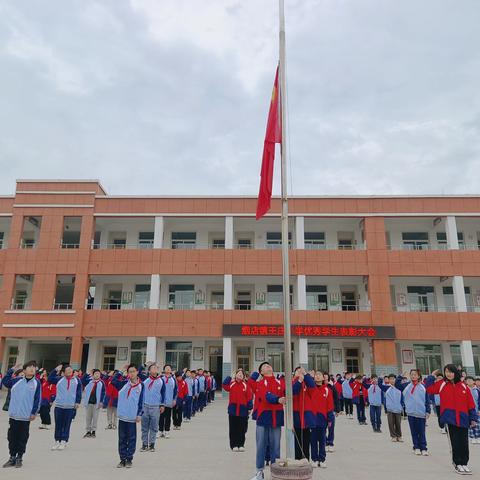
318,357
216,364
352,360
428,358
243,358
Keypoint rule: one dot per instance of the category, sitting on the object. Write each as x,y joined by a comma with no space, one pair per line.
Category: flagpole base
287,469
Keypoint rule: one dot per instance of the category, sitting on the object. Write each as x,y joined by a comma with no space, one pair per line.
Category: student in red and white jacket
457,412
240,402
303,414
322,400
182,392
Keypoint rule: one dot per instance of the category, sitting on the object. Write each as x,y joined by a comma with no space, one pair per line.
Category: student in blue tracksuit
202,389
393,404
129,411
170,400
347,395
93,401
196,392
417,406
68,399
25,396
187,405
153,406
375,400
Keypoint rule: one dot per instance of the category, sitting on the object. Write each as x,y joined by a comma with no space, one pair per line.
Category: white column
300,233
93,345
158,233
301,292
227,293
467,356
303,352
227,350
23,347
151,349
229,232
451,231
155,292
459,294
446,353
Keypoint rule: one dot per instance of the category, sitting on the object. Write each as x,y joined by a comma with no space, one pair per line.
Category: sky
170,97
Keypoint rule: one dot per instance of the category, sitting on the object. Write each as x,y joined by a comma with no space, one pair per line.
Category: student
67,400
130,409
182,392
474,432
154,404
25,395
214,388
393,405
358,398
93,401
240,402
303,413
417,406
336,409
270,398
375,400
187,404
170,399
202,386
111,401
196,393
322,402
457,411
338,387
347,395
48,397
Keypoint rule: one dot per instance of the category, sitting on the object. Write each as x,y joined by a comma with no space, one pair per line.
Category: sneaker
167,435
459,469
313,463
144,448
87,435
108,427
121,464
416,451
394,439
444,431
18,462
331,449
425,453
159,435
467,470
92,434
241,449
322,464
400,439
379,431
41,427
151,448
9,463
46,427
114,427
62,445
259,475
128,464
55,446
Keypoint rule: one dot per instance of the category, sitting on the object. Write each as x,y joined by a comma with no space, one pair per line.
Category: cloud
171,97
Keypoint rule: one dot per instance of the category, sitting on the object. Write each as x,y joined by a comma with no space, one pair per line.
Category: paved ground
200,452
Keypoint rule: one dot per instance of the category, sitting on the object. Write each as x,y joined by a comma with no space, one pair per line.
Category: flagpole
289,435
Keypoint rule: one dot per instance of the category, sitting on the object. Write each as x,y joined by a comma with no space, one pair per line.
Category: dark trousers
237,428
18,433
395,424
341,405
194,405
317,443
417,429
437,411
177,415
127,439
302,443
376,416
331,433
45,415
348,406
63,422
202,401
187,408
361,410
459,442
165,420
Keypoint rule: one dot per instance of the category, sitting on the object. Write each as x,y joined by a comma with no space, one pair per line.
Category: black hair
132,365
392,375
31,363
261,366
297,368
166,365
457,374
358,377
469,377
95,370
151,365
416,370
374,375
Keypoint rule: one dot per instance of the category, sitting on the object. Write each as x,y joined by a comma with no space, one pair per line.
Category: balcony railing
1,243
335,308
62,306
25,305
141,244
28,243
333,246
419,307
118,306
69,245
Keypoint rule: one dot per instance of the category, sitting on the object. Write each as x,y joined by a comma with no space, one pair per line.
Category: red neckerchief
414,387
374,387
94,388
153,380
166,381
132,386
68,382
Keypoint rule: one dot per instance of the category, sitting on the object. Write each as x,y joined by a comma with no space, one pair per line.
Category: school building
378,283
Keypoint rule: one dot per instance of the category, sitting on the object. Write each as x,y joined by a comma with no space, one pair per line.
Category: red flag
273,135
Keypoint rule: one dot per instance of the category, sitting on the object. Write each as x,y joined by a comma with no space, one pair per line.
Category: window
276,356
318,357
64,292
244,243
12,356
274,239
456,353
22,292
317,298
243,358
113,299
442,240
314,240
142,297
138,353
421,299
145,240
345,240
109,356
449,299
217,300
428,358
186,240
415,240
178,354
243,301
31,232
349,299
1,239
71,232
218,243
476,358
352,360
181,297
119,243
275,297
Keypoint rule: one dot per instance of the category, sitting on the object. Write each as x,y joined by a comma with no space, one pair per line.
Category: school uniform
196,394
130,406
25,396
187,404
177,413
322,403
339,397
417,406
153,399
474,432
111,401
240,402
170,398
214,389
393,405
375,400
48,397
69,394
303,415
337,409
92,401
347,396
202,388
358,399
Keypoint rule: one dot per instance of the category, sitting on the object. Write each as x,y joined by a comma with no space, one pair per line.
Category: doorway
352,360
243,358
216,363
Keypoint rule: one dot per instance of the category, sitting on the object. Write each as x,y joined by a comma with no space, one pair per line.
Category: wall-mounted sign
333,331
